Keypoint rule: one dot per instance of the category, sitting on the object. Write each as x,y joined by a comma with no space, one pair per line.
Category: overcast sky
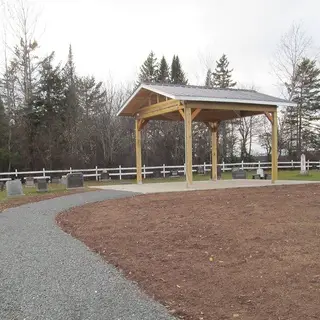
114,37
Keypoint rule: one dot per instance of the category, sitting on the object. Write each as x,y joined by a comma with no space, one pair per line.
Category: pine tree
177,74
222,75
163,74
149,69
307,97
208,81
222,78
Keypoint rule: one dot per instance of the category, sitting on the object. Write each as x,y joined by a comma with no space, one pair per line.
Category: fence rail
122,172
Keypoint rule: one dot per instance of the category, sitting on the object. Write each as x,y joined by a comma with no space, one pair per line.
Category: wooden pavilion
202,104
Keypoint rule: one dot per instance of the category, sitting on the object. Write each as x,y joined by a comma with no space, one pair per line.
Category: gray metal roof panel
186,92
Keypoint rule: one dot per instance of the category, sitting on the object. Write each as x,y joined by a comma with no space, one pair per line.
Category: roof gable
144,92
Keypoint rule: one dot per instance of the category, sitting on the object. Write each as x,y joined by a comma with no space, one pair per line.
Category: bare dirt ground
18,201
251,253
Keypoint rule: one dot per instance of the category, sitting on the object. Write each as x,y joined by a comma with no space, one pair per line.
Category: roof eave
223,100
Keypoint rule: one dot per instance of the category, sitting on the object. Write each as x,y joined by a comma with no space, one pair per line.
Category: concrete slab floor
197,185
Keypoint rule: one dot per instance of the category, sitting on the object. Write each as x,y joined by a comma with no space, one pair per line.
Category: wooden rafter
195,113
182,113
142,123
269,116
158,109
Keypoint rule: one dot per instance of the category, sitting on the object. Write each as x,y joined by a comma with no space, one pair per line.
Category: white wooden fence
122,172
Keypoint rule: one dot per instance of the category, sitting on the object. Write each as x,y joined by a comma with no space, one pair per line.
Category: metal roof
205,94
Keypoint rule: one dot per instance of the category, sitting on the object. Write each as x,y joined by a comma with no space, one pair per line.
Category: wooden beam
209,125
158,109
231,106
214,150
182,113
274,174
158,99
138,152
269,116
195,113
142,123
188,145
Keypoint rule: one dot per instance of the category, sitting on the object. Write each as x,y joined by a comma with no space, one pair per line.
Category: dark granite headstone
14,188
157,174
42,185
74,180
105,175
2,185
219,172
239,174
174,173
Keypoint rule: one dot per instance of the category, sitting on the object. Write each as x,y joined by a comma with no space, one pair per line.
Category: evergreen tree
222,78
208,81
177,74
307,96
222,75
149,69
163,74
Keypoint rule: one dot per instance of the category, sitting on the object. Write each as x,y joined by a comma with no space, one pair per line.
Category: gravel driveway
46,274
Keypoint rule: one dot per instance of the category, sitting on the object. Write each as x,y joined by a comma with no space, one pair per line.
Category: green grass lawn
59,188
283,175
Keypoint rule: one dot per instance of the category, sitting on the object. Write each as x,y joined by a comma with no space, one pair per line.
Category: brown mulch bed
18,201
249,253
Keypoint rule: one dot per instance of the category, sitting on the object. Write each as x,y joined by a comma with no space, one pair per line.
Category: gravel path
45,274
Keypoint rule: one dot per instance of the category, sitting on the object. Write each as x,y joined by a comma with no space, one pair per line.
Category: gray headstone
200,170
56,180
42,185
64,180
74,180
2,184
105,175
29,182
239,174
14,188
260,173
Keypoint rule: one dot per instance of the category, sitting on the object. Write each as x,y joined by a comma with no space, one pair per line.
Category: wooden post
188,144
214,150
274,175
138,153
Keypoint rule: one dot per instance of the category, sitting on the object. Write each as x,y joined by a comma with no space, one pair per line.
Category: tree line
53,117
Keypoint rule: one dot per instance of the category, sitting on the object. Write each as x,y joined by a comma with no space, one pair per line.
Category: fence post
44,172
242,164
259,164
120,176
70,170
184,169
16,173
144,171
164,170
204,168
319,164
96,173
223,166
308,165
292,164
